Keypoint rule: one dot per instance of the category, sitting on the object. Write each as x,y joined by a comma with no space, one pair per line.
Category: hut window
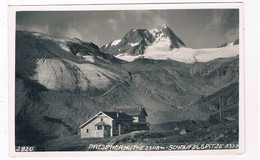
101,119
99,127
87,130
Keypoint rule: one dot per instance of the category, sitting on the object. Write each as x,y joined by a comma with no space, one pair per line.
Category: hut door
107,131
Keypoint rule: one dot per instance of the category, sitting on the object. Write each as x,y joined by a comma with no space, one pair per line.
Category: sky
198,28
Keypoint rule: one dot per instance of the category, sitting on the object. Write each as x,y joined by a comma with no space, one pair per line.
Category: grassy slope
221,133
165,134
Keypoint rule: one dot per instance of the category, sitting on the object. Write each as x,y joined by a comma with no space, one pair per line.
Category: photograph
128,78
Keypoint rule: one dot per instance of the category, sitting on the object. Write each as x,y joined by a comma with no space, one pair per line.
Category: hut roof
135,112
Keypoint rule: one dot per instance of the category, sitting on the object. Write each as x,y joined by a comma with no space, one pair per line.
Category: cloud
114,24
122,15
159,20
102,27
34,28
231,35
224,23
223,19
150,18
216,20
72,32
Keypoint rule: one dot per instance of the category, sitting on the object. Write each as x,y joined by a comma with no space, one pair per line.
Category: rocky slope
52,74
61,82
61,63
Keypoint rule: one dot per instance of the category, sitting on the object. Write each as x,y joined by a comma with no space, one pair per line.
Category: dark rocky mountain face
58,88
136,41
236,42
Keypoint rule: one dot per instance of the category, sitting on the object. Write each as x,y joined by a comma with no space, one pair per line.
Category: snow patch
101,58
205,55
162,43
126,57
134,44
37,34
153,31
114,43
88,58
157,34
64,47
183,54
230,44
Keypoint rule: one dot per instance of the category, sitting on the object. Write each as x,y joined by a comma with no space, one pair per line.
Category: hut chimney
117,114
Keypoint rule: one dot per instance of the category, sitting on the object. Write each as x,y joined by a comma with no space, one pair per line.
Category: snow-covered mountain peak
162,29
157,33
136,41
165,39
164,34
162,43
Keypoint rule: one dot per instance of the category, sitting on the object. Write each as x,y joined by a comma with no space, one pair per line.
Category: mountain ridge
162,43
57,89
63,64
236,42
136,41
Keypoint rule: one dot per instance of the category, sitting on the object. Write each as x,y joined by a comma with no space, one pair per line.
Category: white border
131,7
